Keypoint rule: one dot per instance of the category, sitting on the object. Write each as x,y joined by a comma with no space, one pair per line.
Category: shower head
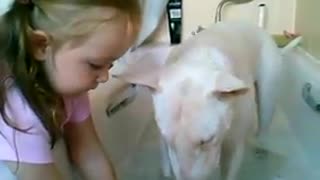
223,2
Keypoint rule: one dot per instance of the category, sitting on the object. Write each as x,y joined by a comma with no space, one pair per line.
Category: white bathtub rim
302,52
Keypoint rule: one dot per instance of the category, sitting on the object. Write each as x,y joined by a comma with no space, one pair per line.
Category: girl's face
77,69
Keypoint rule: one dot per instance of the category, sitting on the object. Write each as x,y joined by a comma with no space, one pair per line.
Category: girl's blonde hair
62,20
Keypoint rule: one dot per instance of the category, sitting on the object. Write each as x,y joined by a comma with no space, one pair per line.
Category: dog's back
252,56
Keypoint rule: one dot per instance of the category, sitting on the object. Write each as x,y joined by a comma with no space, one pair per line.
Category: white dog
204,94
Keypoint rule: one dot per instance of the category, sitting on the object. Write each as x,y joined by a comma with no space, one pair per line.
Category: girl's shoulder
18,110
31,145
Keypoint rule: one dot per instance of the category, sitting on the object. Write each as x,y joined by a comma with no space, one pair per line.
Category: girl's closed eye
99,67
95,66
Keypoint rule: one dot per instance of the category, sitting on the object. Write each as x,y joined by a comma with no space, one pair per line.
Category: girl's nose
103,76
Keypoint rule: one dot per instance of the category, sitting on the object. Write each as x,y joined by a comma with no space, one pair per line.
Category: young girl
51,53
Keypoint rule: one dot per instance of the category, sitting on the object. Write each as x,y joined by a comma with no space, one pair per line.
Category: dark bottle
174,11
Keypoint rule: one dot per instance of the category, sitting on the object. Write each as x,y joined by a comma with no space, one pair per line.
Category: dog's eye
207,141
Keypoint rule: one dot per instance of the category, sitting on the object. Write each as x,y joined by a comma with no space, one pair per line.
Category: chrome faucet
224,2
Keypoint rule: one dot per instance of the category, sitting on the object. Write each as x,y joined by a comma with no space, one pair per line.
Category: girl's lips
94,86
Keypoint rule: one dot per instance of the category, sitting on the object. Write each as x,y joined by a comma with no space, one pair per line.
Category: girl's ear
39,44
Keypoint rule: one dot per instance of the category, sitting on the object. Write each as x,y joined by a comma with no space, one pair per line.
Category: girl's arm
86,152
33,171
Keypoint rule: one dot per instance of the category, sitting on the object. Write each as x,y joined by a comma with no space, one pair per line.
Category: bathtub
290,151
125,123
300,105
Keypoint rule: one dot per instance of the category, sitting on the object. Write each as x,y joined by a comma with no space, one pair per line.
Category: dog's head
193,101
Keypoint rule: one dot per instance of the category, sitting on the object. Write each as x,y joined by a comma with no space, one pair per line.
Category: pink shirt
34,146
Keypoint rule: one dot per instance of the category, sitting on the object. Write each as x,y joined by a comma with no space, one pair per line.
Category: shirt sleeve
30,146
80,109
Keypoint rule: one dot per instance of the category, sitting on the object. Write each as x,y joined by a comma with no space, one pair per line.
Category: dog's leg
225,160
268,78
235,162
231,160
165,161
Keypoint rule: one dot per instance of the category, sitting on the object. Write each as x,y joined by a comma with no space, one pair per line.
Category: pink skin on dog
204,95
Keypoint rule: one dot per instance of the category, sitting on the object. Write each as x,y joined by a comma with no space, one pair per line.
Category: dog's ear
227,84
144,66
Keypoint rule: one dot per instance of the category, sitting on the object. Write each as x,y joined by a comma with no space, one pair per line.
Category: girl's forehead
110,39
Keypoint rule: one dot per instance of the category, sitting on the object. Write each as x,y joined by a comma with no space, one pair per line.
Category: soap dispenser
174,12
